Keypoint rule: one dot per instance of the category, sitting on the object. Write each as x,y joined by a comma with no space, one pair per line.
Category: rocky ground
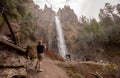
12,64
50,70
72,69
91,70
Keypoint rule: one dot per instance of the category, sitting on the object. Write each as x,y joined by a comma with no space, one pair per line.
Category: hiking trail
50,70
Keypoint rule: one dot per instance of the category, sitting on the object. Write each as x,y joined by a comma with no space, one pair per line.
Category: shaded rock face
71,26
11,64
45,27
47,24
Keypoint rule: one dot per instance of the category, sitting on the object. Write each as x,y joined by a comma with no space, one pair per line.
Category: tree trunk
18,49
10,28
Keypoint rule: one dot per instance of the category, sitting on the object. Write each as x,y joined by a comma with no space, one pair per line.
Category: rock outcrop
11,64
71,27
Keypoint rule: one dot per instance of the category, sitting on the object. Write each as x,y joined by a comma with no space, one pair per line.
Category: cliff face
45,27
47,24
71,26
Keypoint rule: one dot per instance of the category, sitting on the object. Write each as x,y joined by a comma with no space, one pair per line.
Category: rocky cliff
71,27
45,27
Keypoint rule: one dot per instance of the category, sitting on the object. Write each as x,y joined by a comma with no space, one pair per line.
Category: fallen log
18,49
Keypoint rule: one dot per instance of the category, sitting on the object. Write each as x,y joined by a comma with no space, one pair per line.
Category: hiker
45,46
40,54
68,57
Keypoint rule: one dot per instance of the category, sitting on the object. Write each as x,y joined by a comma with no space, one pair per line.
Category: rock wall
71,27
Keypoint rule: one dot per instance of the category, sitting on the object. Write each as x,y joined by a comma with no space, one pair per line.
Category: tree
111,22
8,9
93,32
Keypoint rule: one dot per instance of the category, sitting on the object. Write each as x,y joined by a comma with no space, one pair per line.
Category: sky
88,8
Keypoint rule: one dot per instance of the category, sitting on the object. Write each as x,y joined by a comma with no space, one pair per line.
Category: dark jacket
40,48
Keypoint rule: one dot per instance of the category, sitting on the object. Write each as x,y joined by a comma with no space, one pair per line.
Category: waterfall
60,38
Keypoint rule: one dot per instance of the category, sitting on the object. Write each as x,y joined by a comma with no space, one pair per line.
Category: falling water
60,38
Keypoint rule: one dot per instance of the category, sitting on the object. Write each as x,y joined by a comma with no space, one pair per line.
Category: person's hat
40,41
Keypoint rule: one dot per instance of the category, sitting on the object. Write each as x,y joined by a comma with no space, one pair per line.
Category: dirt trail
50,70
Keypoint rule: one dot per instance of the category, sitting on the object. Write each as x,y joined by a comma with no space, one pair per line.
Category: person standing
40,54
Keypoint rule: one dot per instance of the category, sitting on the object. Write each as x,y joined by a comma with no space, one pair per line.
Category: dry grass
90,70
54,56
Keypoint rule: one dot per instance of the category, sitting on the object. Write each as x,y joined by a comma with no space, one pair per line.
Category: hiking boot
40,70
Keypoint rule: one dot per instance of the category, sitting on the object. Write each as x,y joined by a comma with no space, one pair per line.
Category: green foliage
27,25
10,9
93,32
111,24
105,31
18,11
21,9
112,66
26,31
114,35
14,8
27,22
22,6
